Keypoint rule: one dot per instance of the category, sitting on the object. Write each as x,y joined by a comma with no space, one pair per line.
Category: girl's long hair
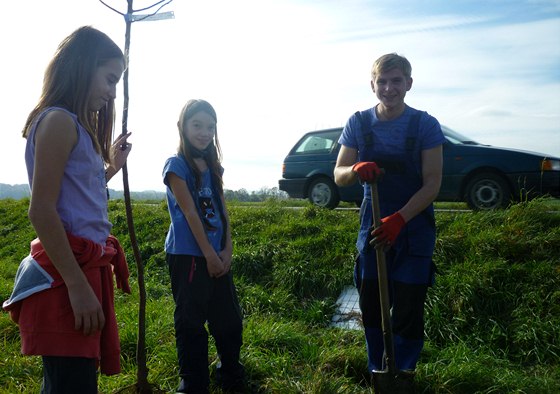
67,84
213,154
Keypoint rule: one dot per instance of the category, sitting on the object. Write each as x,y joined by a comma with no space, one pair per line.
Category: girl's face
104,84
200,130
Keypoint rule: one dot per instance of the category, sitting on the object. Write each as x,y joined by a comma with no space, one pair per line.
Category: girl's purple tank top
82,202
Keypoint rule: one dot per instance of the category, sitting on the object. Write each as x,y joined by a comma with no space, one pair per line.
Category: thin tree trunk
142,384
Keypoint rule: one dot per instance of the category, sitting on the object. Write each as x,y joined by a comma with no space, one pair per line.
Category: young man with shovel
397,150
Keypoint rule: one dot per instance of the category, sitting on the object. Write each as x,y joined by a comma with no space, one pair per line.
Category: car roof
324,131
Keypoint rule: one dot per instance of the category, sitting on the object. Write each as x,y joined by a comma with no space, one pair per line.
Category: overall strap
412,131
411,148
412,139
367,135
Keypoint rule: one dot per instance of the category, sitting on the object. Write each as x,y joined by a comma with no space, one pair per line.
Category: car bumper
294,187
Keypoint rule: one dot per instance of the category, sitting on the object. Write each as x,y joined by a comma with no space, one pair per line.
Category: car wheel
487,191
323,193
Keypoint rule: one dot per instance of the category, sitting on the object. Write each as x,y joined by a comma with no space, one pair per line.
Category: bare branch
153,5
108,6
153,13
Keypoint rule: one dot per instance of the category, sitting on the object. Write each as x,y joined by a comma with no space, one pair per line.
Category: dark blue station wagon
483,176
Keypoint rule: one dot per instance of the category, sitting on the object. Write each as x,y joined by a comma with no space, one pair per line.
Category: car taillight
283,168
550,165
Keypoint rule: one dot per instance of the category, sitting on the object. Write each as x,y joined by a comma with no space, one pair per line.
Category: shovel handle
383,287
375,204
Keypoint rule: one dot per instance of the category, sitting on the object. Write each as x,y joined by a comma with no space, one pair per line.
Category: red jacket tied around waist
46,319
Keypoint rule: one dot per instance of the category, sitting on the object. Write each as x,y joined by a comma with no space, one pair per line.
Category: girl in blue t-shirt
199,252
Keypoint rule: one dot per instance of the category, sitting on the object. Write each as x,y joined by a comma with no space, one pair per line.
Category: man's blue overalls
409,261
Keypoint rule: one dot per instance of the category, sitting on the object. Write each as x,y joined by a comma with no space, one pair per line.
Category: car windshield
457,138
317,142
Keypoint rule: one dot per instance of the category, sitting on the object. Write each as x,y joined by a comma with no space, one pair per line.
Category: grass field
492,319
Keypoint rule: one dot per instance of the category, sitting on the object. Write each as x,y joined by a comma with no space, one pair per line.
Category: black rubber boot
401,383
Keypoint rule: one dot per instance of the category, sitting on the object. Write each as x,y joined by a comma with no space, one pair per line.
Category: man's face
390,87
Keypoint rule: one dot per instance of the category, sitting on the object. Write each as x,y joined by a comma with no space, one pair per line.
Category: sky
275,69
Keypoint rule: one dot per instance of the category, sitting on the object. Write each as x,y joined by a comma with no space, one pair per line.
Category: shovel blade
393,383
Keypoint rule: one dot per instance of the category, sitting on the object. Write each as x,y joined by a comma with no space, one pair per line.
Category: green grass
492,319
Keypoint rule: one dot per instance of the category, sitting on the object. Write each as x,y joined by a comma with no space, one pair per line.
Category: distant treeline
13,191
18,192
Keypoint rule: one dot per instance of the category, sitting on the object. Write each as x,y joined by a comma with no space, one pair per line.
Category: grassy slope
493,318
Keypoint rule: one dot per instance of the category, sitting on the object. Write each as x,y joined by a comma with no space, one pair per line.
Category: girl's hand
88,313
119,151
215,266
225,256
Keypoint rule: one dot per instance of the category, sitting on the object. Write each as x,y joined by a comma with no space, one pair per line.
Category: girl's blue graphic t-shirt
180,239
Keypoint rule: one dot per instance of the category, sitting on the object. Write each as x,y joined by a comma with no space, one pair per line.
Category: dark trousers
407,318
200,299
69,375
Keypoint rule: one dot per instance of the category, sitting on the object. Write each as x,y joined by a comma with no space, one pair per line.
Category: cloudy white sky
274,69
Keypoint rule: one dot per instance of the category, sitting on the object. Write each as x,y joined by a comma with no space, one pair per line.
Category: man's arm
343,173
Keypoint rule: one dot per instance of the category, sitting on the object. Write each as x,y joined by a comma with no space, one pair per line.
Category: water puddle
348,313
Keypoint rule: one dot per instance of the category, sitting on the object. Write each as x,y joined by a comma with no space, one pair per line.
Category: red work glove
389,230
367,171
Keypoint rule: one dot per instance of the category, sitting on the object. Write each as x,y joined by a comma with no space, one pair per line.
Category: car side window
315,144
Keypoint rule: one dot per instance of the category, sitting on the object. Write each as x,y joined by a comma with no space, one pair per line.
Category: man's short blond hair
391,61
